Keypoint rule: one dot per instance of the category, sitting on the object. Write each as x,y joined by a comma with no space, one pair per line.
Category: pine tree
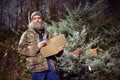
92,52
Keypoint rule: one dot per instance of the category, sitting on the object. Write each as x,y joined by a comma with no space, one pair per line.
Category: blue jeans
46,75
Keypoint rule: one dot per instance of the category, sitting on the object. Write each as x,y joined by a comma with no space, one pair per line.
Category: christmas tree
92,51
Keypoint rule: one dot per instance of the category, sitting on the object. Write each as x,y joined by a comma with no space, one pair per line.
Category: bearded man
31,41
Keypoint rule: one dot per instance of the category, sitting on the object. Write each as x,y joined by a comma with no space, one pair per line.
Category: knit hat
35,13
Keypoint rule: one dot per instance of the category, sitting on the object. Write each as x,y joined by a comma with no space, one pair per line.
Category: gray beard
37,26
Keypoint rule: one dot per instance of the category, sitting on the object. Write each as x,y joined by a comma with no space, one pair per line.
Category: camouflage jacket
35,62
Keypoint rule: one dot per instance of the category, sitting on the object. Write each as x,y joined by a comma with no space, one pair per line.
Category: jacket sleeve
27,45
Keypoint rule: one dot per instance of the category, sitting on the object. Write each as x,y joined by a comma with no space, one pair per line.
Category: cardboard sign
53,45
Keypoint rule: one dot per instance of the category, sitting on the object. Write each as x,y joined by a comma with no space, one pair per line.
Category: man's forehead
36,16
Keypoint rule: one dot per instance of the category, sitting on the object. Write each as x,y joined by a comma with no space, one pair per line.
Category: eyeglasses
34,18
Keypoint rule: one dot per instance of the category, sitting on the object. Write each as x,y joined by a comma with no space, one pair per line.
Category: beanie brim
35,13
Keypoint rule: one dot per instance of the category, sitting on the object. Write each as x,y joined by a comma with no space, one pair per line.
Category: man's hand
60,51
42,44
61,48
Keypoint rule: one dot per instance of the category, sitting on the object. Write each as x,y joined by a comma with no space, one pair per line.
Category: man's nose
37,20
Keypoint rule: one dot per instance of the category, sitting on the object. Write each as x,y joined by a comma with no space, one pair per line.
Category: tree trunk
53,13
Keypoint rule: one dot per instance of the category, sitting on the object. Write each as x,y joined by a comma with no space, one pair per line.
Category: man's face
37,19
36,23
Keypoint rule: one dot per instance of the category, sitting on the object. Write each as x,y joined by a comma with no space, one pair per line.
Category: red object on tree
80,52
75,53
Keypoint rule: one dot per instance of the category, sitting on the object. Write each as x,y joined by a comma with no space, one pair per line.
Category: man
32,40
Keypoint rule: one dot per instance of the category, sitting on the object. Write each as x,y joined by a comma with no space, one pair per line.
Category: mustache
36,26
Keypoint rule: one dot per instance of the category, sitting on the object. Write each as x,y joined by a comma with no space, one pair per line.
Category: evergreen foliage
83,35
